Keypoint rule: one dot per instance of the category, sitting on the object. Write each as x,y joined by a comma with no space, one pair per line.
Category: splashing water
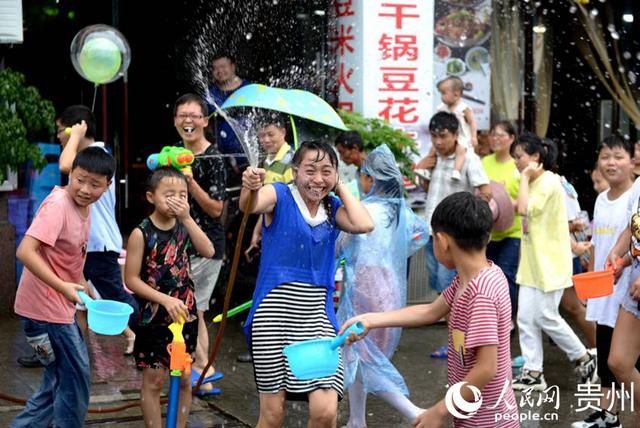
244,130
253,24
245,127
206,39
248,137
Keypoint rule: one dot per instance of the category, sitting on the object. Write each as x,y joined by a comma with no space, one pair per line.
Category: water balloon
100,54
100,60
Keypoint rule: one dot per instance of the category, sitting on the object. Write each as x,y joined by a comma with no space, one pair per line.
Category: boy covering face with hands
158,271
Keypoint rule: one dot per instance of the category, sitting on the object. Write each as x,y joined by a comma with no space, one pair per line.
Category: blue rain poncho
375,277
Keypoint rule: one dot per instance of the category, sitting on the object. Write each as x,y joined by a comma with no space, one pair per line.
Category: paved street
116,382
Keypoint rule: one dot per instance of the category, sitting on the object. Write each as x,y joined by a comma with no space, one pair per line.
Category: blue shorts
439,276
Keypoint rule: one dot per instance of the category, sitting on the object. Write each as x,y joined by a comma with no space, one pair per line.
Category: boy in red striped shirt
479,308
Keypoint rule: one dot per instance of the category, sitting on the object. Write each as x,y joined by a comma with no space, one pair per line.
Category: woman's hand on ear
532,169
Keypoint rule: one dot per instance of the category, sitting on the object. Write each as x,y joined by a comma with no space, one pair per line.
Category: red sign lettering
400,109
398,46
398,79
341,39
345,105
343,8
343,78
398,13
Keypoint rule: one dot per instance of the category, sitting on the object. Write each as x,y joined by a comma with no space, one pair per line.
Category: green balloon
100,60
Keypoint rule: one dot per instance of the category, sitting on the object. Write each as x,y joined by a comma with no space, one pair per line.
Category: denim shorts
628,304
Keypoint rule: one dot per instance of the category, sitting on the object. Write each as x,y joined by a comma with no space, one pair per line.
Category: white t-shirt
609,220
572,204
104,234
632,205
573,209
464,131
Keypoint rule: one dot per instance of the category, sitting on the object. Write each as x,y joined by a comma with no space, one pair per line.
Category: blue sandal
195,375
441,352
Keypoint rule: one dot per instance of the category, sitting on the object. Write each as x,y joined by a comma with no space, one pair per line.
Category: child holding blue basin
53,253
157,271
293,297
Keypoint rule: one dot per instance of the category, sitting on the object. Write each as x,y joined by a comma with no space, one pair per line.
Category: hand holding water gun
176,157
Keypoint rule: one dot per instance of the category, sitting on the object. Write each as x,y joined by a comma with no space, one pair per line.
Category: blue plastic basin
106,316
316,358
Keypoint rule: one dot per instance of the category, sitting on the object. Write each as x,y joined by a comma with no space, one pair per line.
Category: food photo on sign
462,30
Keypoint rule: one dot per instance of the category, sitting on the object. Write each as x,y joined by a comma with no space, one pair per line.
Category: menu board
462,31
384,59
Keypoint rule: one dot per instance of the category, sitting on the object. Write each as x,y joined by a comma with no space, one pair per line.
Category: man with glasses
207,183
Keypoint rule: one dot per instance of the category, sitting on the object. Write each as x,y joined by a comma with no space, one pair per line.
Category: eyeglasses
192,116
498,134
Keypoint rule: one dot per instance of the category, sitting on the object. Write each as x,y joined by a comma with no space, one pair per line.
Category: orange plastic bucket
590,285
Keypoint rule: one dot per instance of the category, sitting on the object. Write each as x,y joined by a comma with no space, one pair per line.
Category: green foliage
23,113
47,12
377,131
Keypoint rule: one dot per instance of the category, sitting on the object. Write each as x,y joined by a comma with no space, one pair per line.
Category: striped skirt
290,313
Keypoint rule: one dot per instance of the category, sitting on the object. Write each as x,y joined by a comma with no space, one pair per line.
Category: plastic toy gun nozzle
173,156
180,360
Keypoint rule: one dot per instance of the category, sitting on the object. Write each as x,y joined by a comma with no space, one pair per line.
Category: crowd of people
491,278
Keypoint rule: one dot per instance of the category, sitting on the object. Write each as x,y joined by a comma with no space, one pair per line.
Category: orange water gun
179,363
180,359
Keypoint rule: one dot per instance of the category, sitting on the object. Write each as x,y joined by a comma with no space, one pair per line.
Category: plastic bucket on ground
316,358
106,316
590,285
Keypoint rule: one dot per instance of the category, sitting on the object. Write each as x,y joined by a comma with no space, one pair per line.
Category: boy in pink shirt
53,252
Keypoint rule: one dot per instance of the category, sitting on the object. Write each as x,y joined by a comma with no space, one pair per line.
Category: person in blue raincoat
376,281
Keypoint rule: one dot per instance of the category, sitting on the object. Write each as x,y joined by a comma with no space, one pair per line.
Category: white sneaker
588,370
455,175
599,419
526,381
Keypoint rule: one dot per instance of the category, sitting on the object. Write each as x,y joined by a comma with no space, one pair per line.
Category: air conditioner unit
11,183
11,21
